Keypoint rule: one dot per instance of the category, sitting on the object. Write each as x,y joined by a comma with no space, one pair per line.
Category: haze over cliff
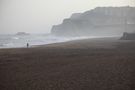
101,21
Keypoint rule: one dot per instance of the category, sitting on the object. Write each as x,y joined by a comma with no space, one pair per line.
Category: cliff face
99,21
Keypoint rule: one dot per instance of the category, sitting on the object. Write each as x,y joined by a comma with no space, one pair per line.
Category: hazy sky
38,16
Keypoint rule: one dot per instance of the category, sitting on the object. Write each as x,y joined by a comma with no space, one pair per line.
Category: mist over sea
16,41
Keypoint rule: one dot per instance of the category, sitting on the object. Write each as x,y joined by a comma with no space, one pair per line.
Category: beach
89,64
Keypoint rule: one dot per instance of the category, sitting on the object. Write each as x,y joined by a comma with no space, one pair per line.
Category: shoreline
75,39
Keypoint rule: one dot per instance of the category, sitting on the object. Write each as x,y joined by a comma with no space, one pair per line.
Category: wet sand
90,64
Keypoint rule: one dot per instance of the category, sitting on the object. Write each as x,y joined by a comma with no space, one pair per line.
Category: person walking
27,45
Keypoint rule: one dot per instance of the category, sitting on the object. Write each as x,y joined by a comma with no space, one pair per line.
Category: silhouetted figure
27,45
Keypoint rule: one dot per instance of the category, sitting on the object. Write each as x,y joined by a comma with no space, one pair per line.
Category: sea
17,41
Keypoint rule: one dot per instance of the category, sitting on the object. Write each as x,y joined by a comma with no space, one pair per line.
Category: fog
38,16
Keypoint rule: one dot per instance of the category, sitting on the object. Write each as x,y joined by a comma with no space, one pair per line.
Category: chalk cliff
99,21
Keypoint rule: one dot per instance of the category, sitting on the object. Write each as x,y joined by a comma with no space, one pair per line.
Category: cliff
98,21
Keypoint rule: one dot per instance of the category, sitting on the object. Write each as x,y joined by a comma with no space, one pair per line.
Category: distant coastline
22,33
104,21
